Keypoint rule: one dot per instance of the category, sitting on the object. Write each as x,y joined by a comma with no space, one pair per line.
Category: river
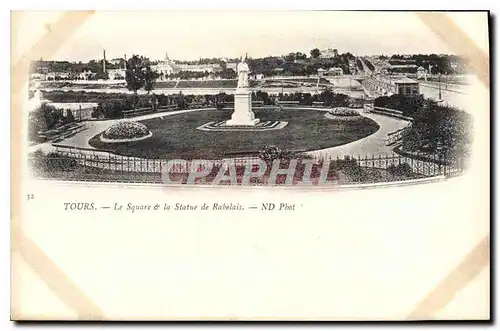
452,94
210,91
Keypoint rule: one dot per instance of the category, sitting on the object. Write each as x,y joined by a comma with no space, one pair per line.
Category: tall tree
134,74
315,53
290,57
139,74
150,78
300,56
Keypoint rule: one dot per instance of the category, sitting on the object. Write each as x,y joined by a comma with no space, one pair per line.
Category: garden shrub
52,162
270,153
43,118
343,112
402,170
126,130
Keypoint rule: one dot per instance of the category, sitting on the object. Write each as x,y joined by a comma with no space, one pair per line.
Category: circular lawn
177,137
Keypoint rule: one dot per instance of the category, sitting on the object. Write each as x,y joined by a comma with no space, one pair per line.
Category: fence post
444,162
434,164
411,163
440,156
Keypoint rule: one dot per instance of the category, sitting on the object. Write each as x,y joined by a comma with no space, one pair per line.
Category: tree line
439,63
291,64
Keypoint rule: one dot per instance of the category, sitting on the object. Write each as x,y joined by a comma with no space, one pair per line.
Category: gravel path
371,145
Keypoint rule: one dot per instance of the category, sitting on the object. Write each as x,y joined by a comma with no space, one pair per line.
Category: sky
189,35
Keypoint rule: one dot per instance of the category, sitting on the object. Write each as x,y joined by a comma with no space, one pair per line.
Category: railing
391,112
101,166
138,111
398,135
62,132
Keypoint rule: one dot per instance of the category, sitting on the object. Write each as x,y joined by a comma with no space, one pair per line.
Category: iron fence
102,166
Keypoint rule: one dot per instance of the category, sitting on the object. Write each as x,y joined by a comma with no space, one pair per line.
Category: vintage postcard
250,165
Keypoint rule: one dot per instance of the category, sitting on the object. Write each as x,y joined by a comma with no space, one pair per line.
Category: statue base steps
259,126
242,121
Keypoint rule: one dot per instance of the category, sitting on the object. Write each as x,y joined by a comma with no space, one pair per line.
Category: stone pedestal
243,114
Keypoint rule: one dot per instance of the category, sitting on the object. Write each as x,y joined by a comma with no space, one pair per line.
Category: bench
288,102
388,110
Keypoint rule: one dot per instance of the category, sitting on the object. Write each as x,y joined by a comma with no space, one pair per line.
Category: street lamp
320,74
440,99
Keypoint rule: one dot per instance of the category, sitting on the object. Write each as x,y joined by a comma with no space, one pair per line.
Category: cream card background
356,254
342,255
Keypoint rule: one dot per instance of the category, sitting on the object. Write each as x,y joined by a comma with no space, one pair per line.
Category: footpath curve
370,145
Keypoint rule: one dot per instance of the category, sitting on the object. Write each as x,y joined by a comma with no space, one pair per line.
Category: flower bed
343,114
126,131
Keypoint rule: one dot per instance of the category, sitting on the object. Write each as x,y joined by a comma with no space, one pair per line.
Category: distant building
116,61
85,75
116,74
407,87
420,73
57,75
329,53
231,65
37,76
210,68
335,71
43,69
165,67
379,85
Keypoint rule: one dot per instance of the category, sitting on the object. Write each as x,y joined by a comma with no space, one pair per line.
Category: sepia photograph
329,113
251,165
